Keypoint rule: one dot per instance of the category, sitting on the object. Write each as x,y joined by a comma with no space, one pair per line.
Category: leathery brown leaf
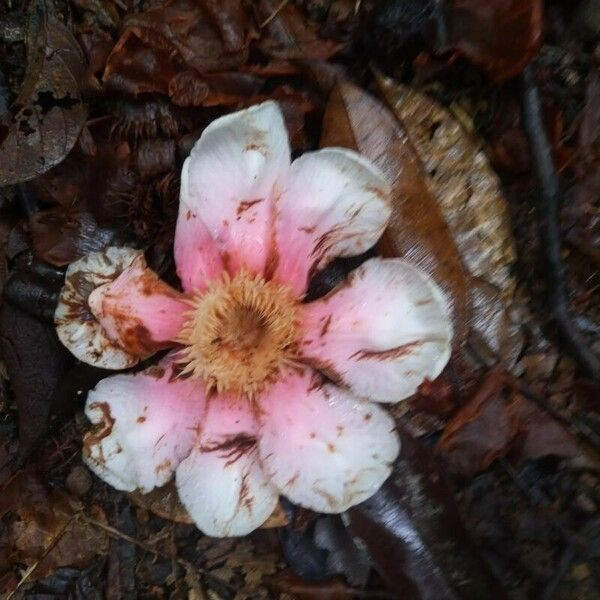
413,531
417,230
498,421
44,529
468,194
44,122
501,36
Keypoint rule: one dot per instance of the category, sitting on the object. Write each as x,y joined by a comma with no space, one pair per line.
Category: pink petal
138,311
332,202
382,332
145,426
76,326
221,483
227,194
322,447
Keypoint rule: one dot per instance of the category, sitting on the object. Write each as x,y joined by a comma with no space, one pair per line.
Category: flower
262,394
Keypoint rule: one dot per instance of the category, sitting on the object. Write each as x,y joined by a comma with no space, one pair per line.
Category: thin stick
274,13
549,229
34,566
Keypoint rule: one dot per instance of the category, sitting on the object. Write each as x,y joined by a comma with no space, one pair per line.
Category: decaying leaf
463,183
417,230
501,36
468,193
46,118
497,421
286,582
44,529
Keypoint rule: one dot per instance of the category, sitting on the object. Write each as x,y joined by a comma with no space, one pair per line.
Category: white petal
322,447
332,202
227,194
76,326
382,332
221,483
145,425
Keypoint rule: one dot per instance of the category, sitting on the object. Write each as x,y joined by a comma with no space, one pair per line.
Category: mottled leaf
468,194
44,122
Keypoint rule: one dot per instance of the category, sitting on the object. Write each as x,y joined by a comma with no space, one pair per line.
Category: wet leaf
413,532
497,421
501,36
44,529
35,361
462,181
468,194
46,118
286,582
417,230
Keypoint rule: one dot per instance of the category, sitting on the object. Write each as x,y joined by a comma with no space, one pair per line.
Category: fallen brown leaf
44,531
285,582
468,193
496,422
501,36
417,231
46,118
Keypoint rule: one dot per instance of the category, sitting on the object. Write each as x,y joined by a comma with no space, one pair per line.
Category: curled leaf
44,122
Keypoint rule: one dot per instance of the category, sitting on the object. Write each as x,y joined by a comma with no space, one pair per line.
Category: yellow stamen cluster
240,334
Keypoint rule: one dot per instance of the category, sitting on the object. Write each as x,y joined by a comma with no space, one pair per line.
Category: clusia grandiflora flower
262,394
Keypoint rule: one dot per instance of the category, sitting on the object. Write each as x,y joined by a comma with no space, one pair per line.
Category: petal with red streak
332,202
381,333
144,426
226,203
139,311
221,483
321,446
76,326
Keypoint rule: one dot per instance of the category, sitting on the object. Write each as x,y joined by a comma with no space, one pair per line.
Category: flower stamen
240,334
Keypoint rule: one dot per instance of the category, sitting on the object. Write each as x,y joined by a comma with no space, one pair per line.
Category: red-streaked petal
221,482
138,311
76,326
145,425
227,194
331,203
321,446
381,333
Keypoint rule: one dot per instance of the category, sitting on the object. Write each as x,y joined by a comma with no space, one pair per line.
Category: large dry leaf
468,193
417,230
462,181
46,118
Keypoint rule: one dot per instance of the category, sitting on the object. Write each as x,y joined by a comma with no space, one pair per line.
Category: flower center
240,334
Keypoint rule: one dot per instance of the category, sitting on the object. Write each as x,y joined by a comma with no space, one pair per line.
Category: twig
34,566
119,535
549,229
274,13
